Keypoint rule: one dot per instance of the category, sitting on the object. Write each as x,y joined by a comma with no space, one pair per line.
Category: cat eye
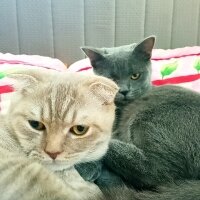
37,125
135,76
79,130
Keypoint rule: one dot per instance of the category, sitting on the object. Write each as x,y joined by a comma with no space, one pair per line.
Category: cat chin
121,102
57,165
121,99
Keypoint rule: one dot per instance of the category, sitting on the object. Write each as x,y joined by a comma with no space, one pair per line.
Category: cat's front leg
99,174
90,171
22,179
109,179
131,164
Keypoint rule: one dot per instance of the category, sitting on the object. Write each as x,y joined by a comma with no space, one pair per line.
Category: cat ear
145,47
25,80
92,54
104,89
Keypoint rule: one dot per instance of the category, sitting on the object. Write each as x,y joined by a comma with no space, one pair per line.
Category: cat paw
89,171
109,179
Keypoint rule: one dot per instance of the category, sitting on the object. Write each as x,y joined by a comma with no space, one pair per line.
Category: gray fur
156,140
189,190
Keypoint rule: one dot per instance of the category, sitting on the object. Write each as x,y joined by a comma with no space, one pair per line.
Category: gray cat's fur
156,138
189,190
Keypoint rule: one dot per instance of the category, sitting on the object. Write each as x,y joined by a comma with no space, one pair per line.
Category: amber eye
79,130
37,125
135,76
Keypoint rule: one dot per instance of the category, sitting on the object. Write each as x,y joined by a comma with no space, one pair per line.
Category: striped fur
59,101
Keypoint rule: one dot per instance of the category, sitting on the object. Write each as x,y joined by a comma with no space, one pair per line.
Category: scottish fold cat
51,126
156,139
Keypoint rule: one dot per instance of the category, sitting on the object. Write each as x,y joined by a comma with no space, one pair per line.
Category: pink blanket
10,62
173,66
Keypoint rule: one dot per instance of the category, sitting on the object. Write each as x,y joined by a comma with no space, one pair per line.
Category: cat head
129,66
62,119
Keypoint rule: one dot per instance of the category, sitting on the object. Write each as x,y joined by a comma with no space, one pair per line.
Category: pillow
10,62
179,66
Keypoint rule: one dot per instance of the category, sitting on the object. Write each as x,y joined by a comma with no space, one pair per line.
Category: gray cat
134,61
156,139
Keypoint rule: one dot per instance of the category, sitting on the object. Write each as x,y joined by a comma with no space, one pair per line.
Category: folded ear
93,54
144,49
104,89
25,80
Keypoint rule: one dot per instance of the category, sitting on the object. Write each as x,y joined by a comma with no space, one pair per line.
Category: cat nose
124,92
53,155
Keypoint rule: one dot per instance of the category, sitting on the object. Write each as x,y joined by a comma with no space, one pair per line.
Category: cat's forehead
64,101
125,49
56,100
59,90
65,109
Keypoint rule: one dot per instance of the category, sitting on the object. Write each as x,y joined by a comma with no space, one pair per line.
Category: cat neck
120,106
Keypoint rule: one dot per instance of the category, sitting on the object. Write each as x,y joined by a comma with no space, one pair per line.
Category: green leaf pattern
2,75
168,68
197,65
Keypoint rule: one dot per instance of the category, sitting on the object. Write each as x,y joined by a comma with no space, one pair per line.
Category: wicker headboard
57,28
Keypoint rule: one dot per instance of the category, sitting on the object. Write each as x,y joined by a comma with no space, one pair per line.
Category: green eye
135,76
37,125
79,130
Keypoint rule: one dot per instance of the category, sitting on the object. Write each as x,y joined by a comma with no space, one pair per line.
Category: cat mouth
121,98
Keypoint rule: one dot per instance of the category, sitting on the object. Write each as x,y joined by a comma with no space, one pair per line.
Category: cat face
129,66
62,119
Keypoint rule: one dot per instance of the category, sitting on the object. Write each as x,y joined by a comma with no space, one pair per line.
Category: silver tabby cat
55,121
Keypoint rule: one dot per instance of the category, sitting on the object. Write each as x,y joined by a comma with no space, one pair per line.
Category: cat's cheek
29,139
23,129
99,147
97,152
